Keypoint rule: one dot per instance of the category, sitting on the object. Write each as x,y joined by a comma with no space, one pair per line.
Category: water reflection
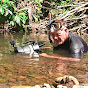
24,70
61,67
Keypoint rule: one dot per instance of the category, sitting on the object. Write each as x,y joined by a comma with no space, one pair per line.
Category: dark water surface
22,70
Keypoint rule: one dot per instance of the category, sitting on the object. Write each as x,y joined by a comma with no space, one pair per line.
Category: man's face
60,35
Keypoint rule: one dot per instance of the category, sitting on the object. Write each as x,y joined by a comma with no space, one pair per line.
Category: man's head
58,31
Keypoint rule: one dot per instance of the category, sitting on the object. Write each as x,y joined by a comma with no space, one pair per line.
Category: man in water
63,39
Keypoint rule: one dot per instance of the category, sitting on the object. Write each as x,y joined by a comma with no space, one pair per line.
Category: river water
18,69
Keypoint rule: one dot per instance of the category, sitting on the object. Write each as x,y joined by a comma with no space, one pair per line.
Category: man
63,39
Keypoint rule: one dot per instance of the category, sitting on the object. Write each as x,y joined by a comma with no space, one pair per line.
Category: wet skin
60,36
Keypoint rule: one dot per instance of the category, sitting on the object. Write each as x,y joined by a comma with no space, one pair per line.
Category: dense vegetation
8,11
24,12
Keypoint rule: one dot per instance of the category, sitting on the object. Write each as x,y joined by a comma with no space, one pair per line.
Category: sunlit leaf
11,23
22,13
17,19
38,2
10,12
2,10
11,3
6,13
14,8
23,21
6,0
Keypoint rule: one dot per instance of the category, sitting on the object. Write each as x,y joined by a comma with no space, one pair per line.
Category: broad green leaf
39,4
37,8
11,23
21,13
10,4
17,19
14,8
19,23
23,21
2,10
5,6
11,17
10,12
6,0
6,13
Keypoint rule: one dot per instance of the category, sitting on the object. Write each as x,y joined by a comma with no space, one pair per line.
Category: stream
21,69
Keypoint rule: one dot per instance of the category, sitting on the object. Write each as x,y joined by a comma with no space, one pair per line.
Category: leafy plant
8,11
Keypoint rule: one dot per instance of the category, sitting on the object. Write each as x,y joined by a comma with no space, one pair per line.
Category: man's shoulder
72,35
74,38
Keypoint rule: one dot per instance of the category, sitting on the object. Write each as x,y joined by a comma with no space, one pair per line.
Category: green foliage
23,17
54,4
66,2
9,12
38,2
38,11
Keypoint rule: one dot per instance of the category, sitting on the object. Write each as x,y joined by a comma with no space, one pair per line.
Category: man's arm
59,57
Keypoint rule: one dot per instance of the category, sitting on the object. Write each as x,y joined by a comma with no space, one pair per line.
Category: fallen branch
76,18
73,11
75,28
